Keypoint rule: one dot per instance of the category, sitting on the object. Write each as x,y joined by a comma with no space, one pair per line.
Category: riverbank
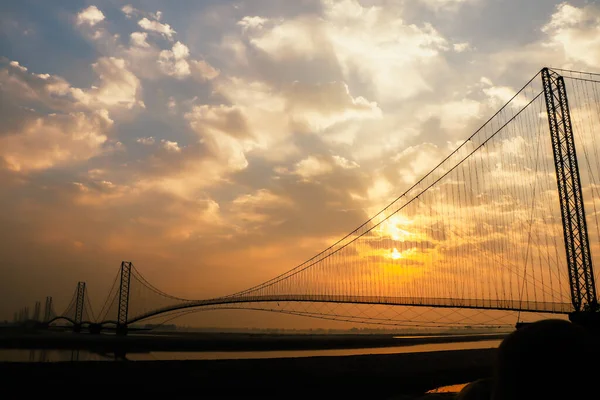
369,376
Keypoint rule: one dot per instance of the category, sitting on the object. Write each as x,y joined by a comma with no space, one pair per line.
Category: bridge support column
95,329
79,306
579,260
123,305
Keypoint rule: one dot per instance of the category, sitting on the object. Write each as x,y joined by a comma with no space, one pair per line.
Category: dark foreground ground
383,376
394,376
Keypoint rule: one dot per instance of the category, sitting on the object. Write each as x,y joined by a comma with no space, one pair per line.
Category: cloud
170,146
256,209
316,166
259,120
16,64
322,105
45,127
254,22
392,45
312,166
460,47
145,140
148,60
128,10
228,120
118,87
500,95
187,173
44,142
174,62
285,39
255,121
230,150
203,71
172,105
453,115
187,170
413,162
131,12
28,87
138,39
568,39
565,16
156,26
446,5
90,16
345,163
576,31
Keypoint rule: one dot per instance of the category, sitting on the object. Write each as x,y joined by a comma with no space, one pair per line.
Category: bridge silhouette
498,224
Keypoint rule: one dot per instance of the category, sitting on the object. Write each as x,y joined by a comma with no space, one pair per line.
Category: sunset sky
219,143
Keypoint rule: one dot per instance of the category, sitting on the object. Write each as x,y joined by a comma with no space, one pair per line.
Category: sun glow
396,255
395,228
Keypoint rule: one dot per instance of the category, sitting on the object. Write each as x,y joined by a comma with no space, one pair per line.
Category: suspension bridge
509,220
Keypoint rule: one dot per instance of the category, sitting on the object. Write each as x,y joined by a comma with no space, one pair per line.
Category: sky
216,144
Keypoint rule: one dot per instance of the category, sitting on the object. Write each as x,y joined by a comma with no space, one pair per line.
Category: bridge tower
579,260
123,305
79,306
37,309
48,309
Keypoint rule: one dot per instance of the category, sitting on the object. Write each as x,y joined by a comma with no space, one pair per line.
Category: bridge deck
491,304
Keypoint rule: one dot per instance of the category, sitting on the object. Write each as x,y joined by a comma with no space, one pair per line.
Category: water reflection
449,389
83,355
222,355
18,355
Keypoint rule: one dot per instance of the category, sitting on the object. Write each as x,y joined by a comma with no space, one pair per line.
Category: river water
75,355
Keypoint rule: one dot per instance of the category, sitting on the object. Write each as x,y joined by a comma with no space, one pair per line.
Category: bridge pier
95,329
590,320
122,330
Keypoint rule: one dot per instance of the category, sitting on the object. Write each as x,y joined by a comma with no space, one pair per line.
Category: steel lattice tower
579,260
48,309
123,305
79,305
